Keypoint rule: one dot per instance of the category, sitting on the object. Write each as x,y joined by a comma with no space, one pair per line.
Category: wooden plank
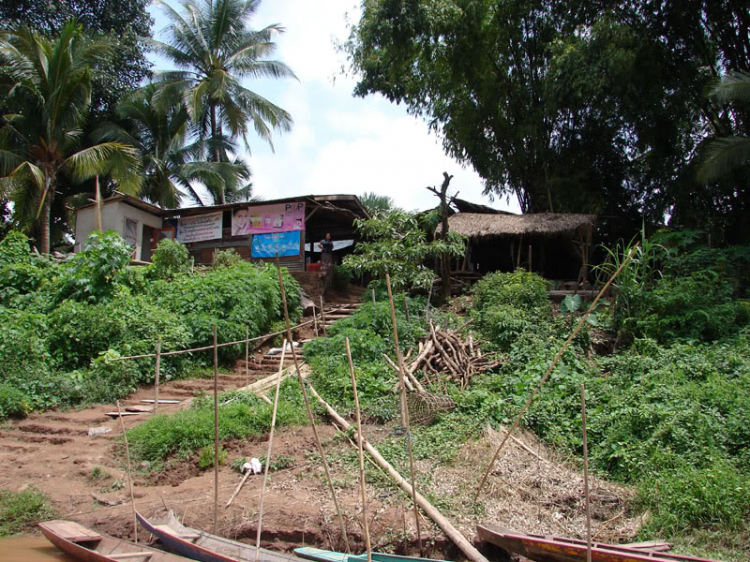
72,531
161,401
125,555
123,414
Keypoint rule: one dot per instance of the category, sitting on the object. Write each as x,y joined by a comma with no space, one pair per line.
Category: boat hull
319,555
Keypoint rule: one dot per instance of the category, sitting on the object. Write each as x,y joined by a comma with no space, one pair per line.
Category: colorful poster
199,227
285,243
262,219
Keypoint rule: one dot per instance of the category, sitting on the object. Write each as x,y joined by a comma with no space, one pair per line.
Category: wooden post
156,376
373,297
518,255
268,453
310,415
216,432
322,312
557,358
130,478
406,310
450,531
586,473
247,355
98,205
531,265
315,321
405,411
362,482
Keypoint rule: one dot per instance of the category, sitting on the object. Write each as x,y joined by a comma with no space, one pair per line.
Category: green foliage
342,276
241,415
206,457
13,402
21,511
93,274
396,245
226,258
170,259
15,248
97,474
520,289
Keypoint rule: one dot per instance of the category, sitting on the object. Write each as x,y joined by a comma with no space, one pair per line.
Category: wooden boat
88,546
205,547
331,556
559,549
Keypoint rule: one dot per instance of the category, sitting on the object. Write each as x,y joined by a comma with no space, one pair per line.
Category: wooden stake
406,309
130,479
586,473
362,482
247,355
450,531
405,412
373,297
268,453
156,376
310,415
99,206
322,312
216,432
557,358
315,322
531,268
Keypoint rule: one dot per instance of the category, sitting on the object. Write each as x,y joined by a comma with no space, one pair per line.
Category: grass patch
98,474
20,511
241,415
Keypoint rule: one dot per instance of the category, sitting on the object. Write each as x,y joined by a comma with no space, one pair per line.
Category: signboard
285,243
199,227
263,219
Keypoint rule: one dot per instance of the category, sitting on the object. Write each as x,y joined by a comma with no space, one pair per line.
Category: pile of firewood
444,354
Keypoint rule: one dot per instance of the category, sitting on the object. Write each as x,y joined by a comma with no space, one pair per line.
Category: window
131,232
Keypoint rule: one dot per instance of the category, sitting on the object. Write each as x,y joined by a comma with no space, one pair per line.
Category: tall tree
212,45
46,85
173,158
376,203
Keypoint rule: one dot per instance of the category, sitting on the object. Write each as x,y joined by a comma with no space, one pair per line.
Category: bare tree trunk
216,151
46,215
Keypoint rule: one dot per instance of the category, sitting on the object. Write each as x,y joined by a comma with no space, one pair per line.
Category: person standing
326,260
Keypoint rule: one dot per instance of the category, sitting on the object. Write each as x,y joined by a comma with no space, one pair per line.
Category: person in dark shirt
326,247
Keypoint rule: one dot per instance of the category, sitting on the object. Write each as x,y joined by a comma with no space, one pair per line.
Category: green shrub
21,511
171,258
342,276
15,248
23,345
13,402
503,324
521,289
206,457
226,258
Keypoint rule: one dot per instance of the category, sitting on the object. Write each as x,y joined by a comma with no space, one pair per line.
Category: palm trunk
46,215
217,153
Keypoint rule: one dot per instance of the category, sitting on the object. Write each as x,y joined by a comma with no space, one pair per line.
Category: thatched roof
480,225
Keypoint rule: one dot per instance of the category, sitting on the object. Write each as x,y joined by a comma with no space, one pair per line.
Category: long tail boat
85,545
205,547
560,549
319,555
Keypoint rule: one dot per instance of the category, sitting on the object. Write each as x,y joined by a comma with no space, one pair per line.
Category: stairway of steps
74,429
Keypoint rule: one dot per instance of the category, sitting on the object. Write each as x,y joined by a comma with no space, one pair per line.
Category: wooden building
256,230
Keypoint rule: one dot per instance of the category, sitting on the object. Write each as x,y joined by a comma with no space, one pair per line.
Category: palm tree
727,153
375,203
158,125
214,49
46,87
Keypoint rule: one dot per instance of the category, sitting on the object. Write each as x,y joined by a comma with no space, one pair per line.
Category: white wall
114,214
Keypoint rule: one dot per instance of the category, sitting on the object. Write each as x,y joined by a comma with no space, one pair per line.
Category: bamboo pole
322,312
405,412
98,205
450,531
156,376
373,297
268,453
247,355
315,322
216,432
557,358
310,415
130,478
362,482
586,473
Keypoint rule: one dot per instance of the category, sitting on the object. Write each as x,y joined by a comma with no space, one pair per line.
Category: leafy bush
342,276
15,248
13,402
171,258
206,457
226,258
23,344
520,289
21,511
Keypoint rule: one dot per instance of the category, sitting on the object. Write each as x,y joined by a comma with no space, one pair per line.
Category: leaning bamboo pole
451,532
268,453
130,477
310,415
362,483
557,358
586,473
216,432
405,412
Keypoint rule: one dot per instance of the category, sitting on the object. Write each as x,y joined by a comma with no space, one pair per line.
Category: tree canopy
571,107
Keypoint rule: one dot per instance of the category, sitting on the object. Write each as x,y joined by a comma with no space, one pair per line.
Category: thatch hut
555,245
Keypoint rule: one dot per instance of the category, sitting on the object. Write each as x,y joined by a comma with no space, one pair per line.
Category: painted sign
199,227
285,243
263,219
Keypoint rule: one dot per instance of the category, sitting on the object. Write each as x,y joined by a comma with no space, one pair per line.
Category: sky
340,143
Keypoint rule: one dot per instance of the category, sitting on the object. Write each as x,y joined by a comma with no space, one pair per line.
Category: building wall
114,215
